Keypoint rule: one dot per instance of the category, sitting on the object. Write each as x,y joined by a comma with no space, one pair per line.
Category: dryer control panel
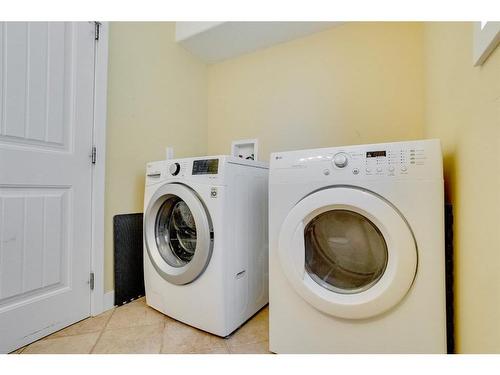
414,159
389,161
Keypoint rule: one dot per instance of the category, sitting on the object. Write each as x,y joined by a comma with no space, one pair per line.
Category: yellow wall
463,110
156,98
356,83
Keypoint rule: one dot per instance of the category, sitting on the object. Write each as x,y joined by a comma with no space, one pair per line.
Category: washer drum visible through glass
175,232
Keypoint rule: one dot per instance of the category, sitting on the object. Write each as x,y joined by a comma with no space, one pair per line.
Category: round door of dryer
178,233
348,252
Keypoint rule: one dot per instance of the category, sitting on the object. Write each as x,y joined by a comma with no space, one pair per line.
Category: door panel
38,77
46,121
34,240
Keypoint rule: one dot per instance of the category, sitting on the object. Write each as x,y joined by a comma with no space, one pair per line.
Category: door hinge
91,281
97,29
93,155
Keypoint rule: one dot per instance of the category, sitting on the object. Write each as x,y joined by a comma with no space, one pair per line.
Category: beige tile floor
137,328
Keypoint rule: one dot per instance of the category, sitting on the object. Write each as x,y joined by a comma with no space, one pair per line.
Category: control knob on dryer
340,160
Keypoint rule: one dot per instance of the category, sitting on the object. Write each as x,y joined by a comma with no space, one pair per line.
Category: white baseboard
109,300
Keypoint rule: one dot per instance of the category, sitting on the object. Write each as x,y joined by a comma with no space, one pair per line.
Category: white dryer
205,240
357,250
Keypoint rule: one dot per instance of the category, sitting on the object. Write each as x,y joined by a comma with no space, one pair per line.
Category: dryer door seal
348,252
178,234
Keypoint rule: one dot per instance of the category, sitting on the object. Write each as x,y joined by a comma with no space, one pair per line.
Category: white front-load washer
356,257
205,240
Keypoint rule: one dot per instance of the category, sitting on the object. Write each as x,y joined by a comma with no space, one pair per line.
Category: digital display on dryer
208,166
375,154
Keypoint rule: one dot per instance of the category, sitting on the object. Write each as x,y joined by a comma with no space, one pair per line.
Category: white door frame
98,172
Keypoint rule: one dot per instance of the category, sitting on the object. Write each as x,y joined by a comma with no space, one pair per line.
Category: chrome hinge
97,29
93,155
91,281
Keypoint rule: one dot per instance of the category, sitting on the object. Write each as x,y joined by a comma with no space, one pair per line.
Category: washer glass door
175,232
178,233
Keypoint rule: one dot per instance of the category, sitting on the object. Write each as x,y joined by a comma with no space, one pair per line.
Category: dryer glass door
344,251
348,252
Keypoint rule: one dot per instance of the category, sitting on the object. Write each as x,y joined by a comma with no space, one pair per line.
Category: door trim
98,171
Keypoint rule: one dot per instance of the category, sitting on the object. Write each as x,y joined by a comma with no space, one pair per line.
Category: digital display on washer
208,166
375,154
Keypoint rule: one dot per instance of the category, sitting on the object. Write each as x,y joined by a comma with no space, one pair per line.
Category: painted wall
463,110
355,83
156,98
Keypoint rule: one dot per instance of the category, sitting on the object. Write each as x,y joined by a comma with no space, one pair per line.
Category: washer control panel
205,166
200,168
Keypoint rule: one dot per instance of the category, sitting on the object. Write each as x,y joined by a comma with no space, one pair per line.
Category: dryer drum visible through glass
344,251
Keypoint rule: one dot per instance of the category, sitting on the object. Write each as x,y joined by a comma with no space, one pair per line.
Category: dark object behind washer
450,326
128,247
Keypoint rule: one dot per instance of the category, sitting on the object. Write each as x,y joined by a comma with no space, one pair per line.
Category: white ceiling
217,41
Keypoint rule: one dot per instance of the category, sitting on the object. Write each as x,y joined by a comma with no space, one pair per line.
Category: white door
348,252
46,121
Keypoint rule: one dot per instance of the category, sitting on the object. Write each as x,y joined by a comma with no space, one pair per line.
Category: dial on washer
175,169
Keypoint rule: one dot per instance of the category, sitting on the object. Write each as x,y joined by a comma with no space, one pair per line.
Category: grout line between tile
26,347
163,335
22,349
226,343
102,331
